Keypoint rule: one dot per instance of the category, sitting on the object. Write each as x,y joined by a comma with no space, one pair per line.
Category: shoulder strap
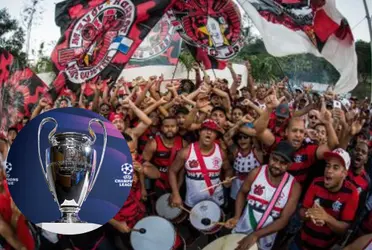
176,147
273,201
203,168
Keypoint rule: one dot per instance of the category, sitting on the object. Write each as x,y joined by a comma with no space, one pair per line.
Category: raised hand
356,126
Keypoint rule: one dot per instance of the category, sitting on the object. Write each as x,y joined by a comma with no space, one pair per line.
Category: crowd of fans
245,141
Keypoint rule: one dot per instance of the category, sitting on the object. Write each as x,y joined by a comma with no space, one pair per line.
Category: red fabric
24,234
113,116
272,126
162,159
359,181
324,26
133,209
203,168
5,207
342,205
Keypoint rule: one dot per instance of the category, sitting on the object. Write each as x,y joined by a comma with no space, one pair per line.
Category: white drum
204,216
228,242
175,215
160,234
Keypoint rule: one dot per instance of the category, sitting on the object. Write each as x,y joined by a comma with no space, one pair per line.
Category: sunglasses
313,117
243,137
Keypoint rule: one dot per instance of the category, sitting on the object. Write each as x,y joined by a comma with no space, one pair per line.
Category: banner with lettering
100,36
213,26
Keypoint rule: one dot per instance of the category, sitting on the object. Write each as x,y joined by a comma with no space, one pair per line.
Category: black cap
282,110
285,150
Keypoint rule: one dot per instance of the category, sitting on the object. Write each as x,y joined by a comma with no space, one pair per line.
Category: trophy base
68,228
70,218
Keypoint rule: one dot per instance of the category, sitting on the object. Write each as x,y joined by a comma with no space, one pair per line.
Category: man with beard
272,196
160,152
329,206
306,153
188,136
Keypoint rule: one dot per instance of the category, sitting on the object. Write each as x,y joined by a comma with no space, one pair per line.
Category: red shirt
341,205
303,159
133,209
163,158
361,182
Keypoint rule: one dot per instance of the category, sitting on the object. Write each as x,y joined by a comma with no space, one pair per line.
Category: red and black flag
214,26
100,36
162,46
208,61
20,90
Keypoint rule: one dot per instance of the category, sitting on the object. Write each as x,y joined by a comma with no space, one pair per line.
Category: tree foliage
12,36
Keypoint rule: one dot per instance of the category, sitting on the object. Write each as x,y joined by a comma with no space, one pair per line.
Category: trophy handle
45,120
91,132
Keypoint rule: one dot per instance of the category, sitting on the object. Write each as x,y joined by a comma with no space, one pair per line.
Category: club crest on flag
214,26
156,42
96,38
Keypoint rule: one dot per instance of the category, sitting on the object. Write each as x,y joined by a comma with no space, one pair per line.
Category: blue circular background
31,193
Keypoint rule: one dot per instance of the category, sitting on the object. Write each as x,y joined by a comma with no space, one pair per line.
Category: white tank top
195,180
258,199
242,166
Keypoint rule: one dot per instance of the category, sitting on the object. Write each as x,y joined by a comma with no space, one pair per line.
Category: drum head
164,210
228,242
160,234
204,214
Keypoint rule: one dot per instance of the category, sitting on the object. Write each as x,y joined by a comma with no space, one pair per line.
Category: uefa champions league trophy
71,168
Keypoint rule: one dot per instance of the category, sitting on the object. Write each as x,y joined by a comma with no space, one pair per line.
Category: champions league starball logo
96,38
8,168
126,181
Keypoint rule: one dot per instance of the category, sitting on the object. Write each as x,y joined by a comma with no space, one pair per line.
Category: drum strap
273,201
203,168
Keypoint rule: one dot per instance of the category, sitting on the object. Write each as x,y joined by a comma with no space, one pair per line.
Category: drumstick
219,223
219,184
184,209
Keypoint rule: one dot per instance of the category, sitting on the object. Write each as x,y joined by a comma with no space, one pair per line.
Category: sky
47,31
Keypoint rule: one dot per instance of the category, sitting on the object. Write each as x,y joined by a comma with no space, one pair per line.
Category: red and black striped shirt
341,205
163,158
361,182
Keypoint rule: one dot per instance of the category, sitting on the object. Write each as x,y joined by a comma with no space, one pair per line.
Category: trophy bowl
70,168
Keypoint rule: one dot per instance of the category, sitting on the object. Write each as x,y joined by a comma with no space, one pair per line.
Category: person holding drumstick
204,163
272,195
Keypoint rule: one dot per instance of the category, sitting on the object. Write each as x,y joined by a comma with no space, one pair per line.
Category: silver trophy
71,167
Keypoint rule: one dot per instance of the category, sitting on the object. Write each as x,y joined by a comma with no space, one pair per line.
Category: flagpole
370,34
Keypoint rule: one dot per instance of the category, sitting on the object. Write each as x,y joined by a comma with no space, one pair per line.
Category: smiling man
329,206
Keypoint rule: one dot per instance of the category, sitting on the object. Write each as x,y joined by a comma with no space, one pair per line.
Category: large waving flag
162,46
213,27
294,26
20,90
100,36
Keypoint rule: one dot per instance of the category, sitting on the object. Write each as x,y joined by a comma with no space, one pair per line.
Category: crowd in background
254,140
